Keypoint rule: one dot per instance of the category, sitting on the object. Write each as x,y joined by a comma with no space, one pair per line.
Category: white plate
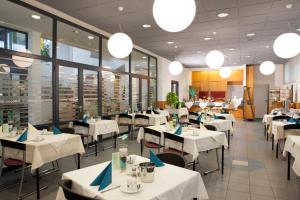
124,189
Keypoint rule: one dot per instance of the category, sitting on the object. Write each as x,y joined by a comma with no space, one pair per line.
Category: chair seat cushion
10,162
172,150
151,145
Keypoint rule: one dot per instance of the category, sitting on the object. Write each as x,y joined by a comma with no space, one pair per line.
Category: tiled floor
251,170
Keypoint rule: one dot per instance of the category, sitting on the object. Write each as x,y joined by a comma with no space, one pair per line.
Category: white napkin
57,145
203,105
33,133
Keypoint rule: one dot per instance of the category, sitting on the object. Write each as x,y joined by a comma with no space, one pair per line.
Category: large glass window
2,37
115,93
152,93
135,94
144,94
90,92
68,94
25,92
153,67
139,63
27,29
110,62
77,45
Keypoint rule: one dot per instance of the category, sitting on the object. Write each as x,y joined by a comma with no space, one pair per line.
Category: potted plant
172,99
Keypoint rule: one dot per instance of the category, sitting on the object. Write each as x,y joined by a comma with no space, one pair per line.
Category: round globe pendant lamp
174,15
21,61
214,59
119,45
267,68
287,45
225,72
175,68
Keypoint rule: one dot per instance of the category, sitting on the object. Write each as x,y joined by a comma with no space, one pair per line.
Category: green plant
172,99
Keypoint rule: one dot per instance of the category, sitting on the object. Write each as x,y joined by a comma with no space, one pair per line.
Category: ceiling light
21,61
287,45
176,47
231,49
214,33
247,56
75,31
120,45
267,68
207,38
214,59
250,34
174,15
225,72
175,68
298,29
289,6
170,42
267,46
91,37
120,8
199,51
144,57
222,15
146,26
36,16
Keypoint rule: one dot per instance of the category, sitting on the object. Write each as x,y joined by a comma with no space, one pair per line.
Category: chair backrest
172,158
151,132
194,114
210,127
139,116
194,122
142,120
67,130
41,127
291,126
13,145
79,123
148,111
175,138
69,194
106,117
123,115
221,117
280,117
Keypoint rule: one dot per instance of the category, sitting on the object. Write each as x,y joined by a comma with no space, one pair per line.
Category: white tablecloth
187,185
278,131
50,149
221,125
155,118
182,112
229,117
292,145
267,119
205,140
102,127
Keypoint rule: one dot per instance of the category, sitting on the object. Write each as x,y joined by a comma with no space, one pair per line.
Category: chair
66,186
141,120
184,120
148,144
9,162
221,117
148,111
82,129
193,115
172,158
194,123
210,127
281,117
42,127
67,130
126,120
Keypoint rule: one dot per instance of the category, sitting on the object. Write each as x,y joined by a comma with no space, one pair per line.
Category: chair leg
217,155
22,179
272,142
2,161
277,147
141,147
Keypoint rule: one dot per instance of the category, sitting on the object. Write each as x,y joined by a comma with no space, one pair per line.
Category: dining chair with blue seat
149,144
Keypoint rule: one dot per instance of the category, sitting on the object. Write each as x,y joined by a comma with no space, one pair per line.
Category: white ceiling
266,18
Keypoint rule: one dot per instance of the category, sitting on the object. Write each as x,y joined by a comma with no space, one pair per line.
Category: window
115,93
90,92
144,94
153,67
23,31
152,93
77,45
139,63
25,93
2,37
110,62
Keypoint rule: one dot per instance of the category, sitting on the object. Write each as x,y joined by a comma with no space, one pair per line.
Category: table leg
222,169
115,140
272,142
96,147
277,147
37,183
265,130
78,160
228,138
289,166
267,136
194,165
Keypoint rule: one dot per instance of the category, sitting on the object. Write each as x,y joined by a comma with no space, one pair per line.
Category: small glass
115,160
123,151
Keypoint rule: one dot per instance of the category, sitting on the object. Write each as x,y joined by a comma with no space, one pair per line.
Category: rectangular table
187,185
204,141
292,148
51,148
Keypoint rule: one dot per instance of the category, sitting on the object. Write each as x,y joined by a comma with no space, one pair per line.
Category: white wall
274,80
291,76
165,78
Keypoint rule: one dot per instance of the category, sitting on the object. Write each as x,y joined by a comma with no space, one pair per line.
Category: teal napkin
104,179
198,118
291,120
178,131
56,130
85,119
215,117
23,137
154,159
297,121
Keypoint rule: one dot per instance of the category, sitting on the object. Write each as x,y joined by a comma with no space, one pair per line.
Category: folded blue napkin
56,130
297,121
178,131
154,159
23,137
199,118
85,119
215,117
292,120
104,179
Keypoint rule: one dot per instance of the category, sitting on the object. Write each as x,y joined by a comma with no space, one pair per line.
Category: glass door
139,94
144,92
135,93
90,92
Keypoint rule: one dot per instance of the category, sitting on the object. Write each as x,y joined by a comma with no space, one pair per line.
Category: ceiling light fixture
175,68
207,38
267,46
75,31
175,46
298,29
119,45
170,42
222,15
231,49
36,16
120,8
250,34
289,6
214,33
146,26
145,57
174,15
247,56
287,45
199,51
225,72
214,59
267,68
90,37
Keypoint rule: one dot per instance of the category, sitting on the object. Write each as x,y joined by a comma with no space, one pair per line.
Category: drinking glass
123,150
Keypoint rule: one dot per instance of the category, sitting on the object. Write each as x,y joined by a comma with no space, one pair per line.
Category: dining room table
195,140
292,148
46,149
187,185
